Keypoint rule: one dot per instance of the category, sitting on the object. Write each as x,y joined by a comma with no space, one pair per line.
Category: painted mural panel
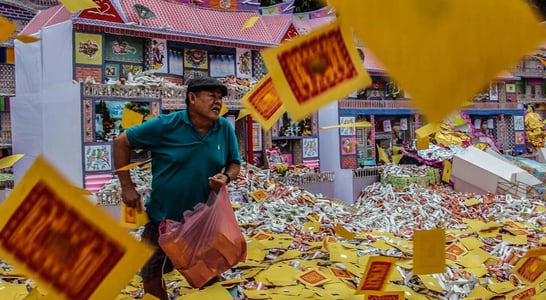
88,48
123,48
222,65
244,63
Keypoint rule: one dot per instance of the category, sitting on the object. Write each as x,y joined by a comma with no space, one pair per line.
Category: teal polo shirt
182,160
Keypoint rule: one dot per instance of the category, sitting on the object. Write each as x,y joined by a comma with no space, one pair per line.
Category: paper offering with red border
264,103
316,69
390,295
53,234
313,277
376,275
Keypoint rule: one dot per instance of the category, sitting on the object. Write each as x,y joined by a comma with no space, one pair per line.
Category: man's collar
186,119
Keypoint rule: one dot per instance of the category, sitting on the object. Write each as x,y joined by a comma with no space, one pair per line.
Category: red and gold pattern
376,275
341,273
264,103
316,69
523,294
371,295
530,270
51,233
52,239
313,277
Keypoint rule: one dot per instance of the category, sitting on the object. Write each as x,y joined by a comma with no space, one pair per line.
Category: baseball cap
205,83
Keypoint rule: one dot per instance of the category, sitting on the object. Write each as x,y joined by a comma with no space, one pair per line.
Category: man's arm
122,157
232,170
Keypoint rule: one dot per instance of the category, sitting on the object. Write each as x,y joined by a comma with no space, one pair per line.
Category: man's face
207,103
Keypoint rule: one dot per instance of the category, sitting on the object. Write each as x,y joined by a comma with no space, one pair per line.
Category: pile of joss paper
305,246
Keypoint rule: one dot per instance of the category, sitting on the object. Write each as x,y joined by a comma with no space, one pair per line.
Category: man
194,151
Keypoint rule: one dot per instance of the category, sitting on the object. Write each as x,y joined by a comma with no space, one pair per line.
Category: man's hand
216,181
131,197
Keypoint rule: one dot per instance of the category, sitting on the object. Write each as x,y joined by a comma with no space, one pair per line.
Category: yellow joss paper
502,287
27,39
242,113
480,292
311,227
133,165
348,125
250,22
441,45
526,293
6,29
77,5
515,239
534,252
224,109
263,103
9,161
530,270
471,242
132,217
216,292
429,255
376,275
315,69
131,118
149,297
391,295
343,232
446,173
51,233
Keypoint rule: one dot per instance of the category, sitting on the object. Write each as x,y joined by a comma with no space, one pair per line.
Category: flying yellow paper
242,113
77,5
69,245
263,103
316,69
348,125
133,165
224,110
429,255
149,297
396,158
26,38
250,22
6,29
442,46
9,161
422,142
382,155
130,118
446,174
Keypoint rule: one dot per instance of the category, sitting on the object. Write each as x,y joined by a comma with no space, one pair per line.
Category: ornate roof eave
147,32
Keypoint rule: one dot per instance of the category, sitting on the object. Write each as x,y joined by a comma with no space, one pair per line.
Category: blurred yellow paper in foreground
52,233
316,69
443,52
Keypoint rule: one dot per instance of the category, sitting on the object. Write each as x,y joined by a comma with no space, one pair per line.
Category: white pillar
329,153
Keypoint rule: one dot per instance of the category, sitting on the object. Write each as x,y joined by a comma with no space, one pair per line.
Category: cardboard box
474,171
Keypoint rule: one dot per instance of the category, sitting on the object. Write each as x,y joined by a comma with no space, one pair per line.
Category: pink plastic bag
207,243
